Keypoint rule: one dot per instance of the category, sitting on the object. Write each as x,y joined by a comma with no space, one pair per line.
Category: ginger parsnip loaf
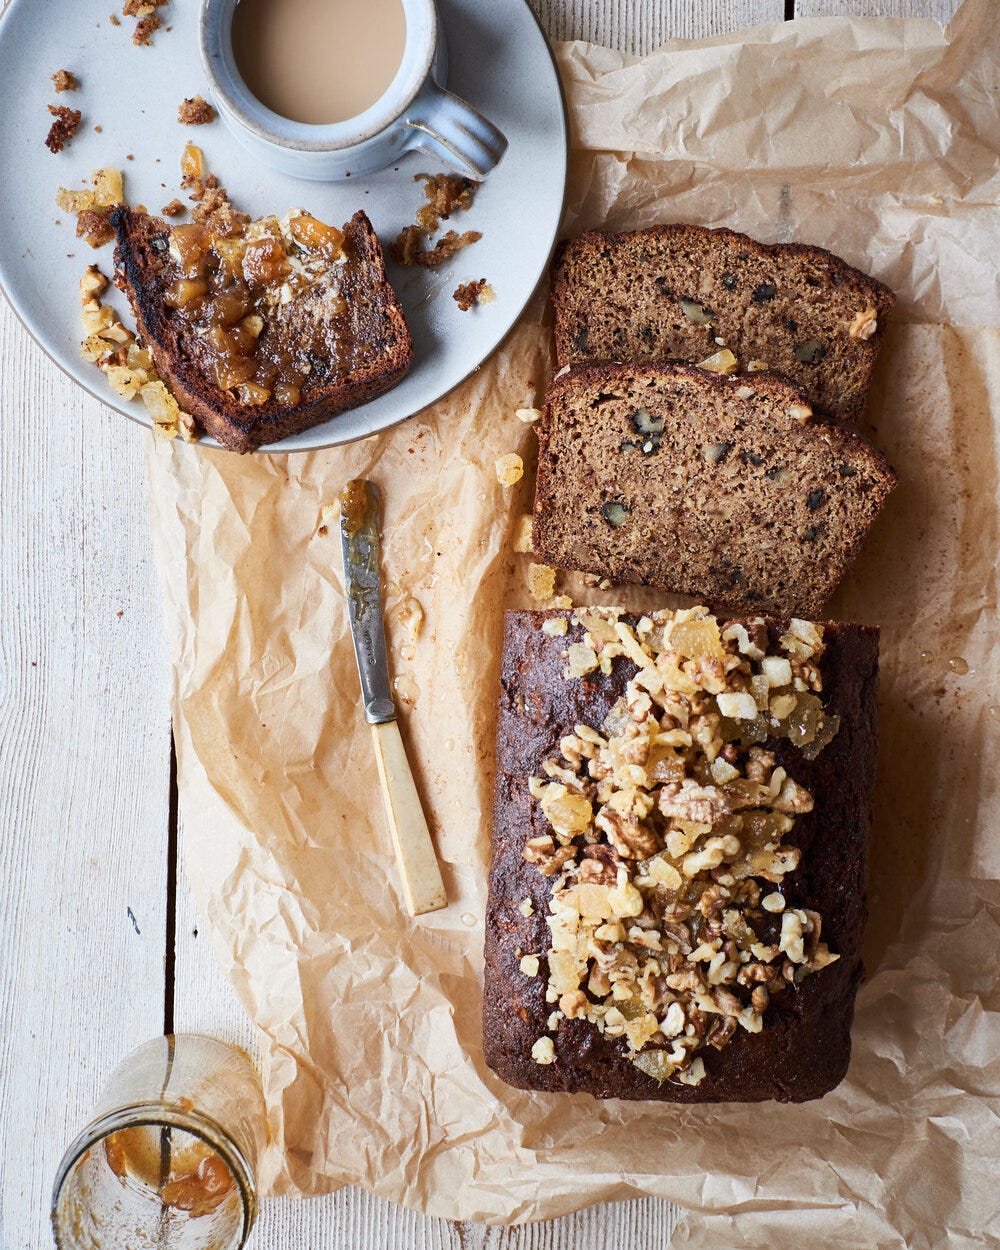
263,330
676,897
673,291
725,489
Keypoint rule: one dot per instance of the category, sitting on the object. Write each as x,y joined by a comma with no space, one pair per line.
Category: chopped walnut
541,581
64,127
509,469
865,324
174,208
195,111
522,533
65,80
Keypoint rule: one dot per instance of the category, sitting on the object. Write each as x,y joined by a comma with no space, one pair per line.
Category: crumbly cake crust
804,1048
673,291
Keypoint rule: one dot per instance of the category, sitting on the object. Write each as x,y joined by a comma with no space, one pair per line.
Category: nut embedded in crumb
63,128
757,366
528,415
195,111
509,469
529,965
541,581
173,209
555,626
865,324
800,412
467,294
64,80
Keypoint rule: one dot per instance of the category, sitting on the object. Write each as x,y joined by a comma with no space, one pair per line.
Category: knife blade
359,534
361,546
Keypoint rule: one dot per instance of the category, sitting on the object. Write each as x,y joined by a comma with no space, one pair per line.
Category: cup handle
453,131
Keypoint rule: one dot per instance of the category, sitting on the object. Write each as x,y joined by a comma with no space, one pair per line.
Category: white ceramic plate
499,61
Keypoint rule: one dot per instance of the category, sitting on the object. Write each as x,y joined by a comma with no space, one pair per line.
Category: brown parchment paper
879,139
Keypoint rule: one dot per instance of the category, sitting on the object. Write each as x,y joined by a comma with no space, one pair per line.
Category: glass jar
169,1160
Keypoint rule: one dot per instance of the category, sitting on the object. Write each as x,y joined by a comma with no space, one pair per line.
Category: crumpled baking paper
880,140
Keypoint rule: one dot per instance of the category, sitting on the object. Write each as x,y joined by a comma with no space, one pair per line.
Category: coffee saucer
499,60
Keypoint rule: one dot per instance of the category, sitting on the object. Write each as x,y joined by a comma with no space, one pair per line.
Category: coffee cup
413,112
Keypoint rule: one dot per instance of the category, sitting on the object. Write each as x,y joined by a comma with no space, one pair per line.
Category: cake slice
721,488
676,894
265,329
673,292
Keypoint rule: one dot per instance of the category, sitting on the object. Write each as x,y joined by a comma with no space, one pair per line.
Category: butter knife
359,537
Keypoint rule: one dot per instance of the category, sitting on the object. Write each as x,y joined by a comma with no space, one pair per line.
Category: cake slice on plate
263,329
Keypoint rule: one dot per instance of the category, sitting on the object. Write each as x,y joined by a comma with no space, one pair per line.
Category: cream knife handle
418,863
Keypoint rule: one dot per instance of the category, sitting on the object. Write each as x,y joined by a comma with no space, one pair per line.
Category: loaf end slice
801,1049
335,339
672,291
702,485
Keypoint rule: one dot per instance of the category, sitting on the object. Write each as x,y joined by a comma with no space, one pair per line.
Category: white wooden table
99,944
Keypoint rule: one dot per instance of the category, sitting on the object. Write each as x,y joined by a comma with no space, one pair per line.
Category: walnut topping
663,822
865,324
528,415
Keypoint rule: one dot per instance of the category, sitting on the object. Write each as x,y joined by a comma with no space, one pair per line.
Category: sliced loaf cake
673,292
721,488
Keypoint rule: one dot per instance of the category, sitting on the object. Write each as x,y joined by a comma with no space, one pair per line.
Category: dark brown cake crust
804,1048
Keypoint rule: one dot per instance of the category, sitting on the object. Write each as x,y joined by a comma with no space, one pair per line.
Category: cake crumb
195,111
63,128
445,193
113,19
173,209
65,80
142,36
468,294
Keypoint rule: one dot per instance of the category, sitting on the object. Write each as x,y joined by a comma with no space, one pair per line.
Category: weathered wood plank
638,26
942,10
84,736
